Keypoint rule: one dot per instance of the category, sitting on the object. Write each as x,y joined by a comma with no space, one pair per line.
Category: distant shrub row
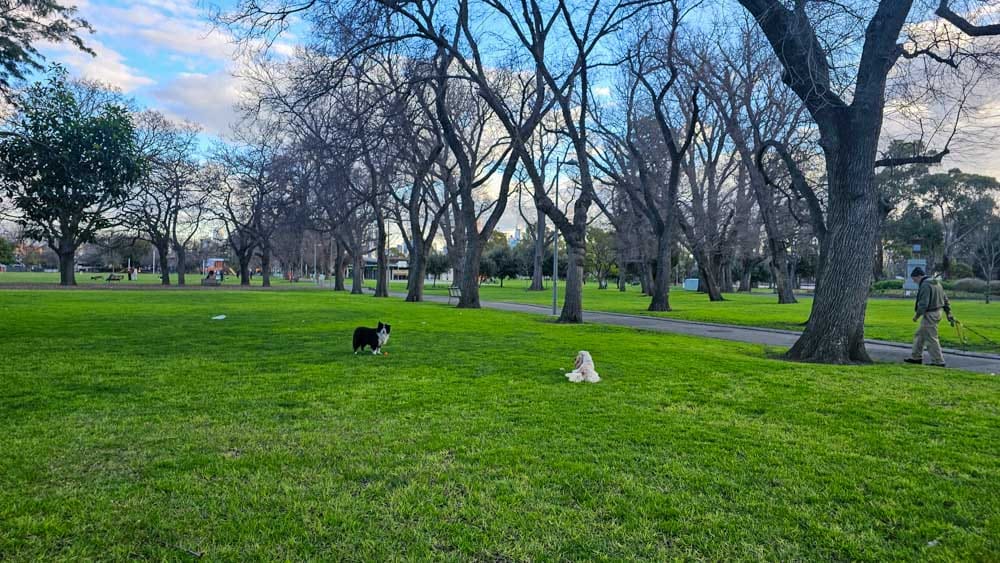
887,284
974,285
966,285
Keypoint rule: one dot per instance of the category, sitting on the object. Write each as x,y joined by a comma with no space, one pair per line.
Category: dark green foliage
502,263
437,264
962,270
24,24
976,285
6,251
915,224
602,255
884,285
67,164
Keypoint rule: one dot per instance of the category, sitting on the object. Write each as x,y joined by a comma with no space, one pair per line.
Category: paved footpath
879,350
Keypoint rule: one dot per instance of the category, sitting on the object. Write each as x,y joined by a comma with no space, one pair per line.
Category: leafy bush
970,285
887,284
973,285
961,270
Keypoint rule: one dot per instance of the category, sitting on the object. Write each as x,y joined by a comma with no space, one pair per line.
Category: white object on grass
218,317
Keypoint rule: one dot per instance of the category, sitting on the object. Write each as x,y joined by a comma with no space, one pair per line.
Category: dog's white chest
383,337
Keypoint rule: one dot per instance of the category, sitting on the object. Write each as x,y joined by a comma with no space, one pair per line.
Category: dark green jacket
931,297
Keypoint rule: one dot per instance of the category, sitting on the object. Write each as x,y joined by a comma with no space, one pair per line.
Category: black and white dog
373,337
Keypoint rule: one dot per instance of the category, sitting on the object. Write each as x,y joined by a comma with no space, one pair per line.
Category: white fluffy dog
584,369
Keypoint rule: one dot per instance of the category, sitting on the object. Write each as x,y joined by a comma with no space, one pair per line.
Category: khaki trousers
927,335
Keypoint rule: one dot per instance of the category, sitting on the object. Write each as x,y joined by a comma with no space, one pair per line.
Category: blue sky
163,53
168,56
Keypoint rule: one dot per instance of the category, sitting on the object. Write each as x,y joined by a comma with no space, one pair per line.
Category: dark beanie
917,272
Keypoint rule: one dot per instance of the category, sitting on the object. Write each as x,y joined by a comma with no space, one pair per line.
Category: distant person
931,300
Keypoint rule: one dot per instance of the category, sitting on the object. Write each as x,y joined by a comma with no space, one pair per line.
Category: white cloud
156,25
206,99
108,66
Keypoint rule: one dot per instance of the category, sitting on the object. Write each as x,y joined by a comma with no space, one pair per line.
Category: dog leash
961,329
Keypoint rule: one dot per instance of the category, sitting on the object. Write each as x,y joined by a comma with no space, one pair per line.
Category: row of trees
774,117
743,140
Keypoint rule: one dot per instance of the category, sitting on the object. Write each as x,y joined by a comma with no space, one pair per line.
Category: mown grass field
84,279
136,427
887,319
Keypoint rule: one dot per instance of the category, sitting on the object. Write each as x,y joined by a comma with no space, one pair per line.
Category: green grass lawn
83,279
887,319
135,427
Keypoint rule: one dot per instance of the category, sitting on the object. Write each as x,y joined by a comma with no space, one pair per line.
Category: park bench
114,278
97,277
454,292
212,281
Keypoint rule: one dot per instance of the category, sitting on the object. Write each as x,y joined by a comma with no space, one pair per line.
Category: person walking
931,300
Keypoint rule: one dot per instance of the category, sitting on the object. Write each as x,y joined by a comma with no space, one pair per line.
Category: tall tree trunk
339,265
775,242
265,265
382,268
457,265
646,277
163,250
358,275
835,331
782,283
417,273
725,275
538,259
661,280
181,254
67,266
745,278
708,281
572,310
245,268
879,272
621,279
469,281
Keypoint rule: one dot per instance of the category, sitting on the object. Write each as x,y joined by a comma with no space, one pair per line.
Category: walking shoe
938,365
912,361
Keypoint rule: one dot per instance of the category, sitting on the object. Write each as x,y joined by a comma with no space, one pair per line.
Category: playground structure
217,267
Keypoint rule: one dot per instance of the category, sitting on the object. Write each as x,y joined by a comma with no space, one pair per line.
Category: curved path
879,350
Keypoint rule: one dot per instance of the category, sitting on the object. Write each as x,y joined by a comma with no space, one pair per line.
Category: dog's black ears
380,325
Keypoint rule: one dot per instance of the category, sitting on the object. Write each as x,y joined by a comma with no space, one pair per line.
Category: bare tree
245,190
706,210
562,44
651,147
743,85
838,63
985,249
168,195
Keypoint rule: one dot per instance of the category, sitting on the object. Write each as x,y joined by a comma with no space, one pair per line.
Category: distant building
515,239
398,269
